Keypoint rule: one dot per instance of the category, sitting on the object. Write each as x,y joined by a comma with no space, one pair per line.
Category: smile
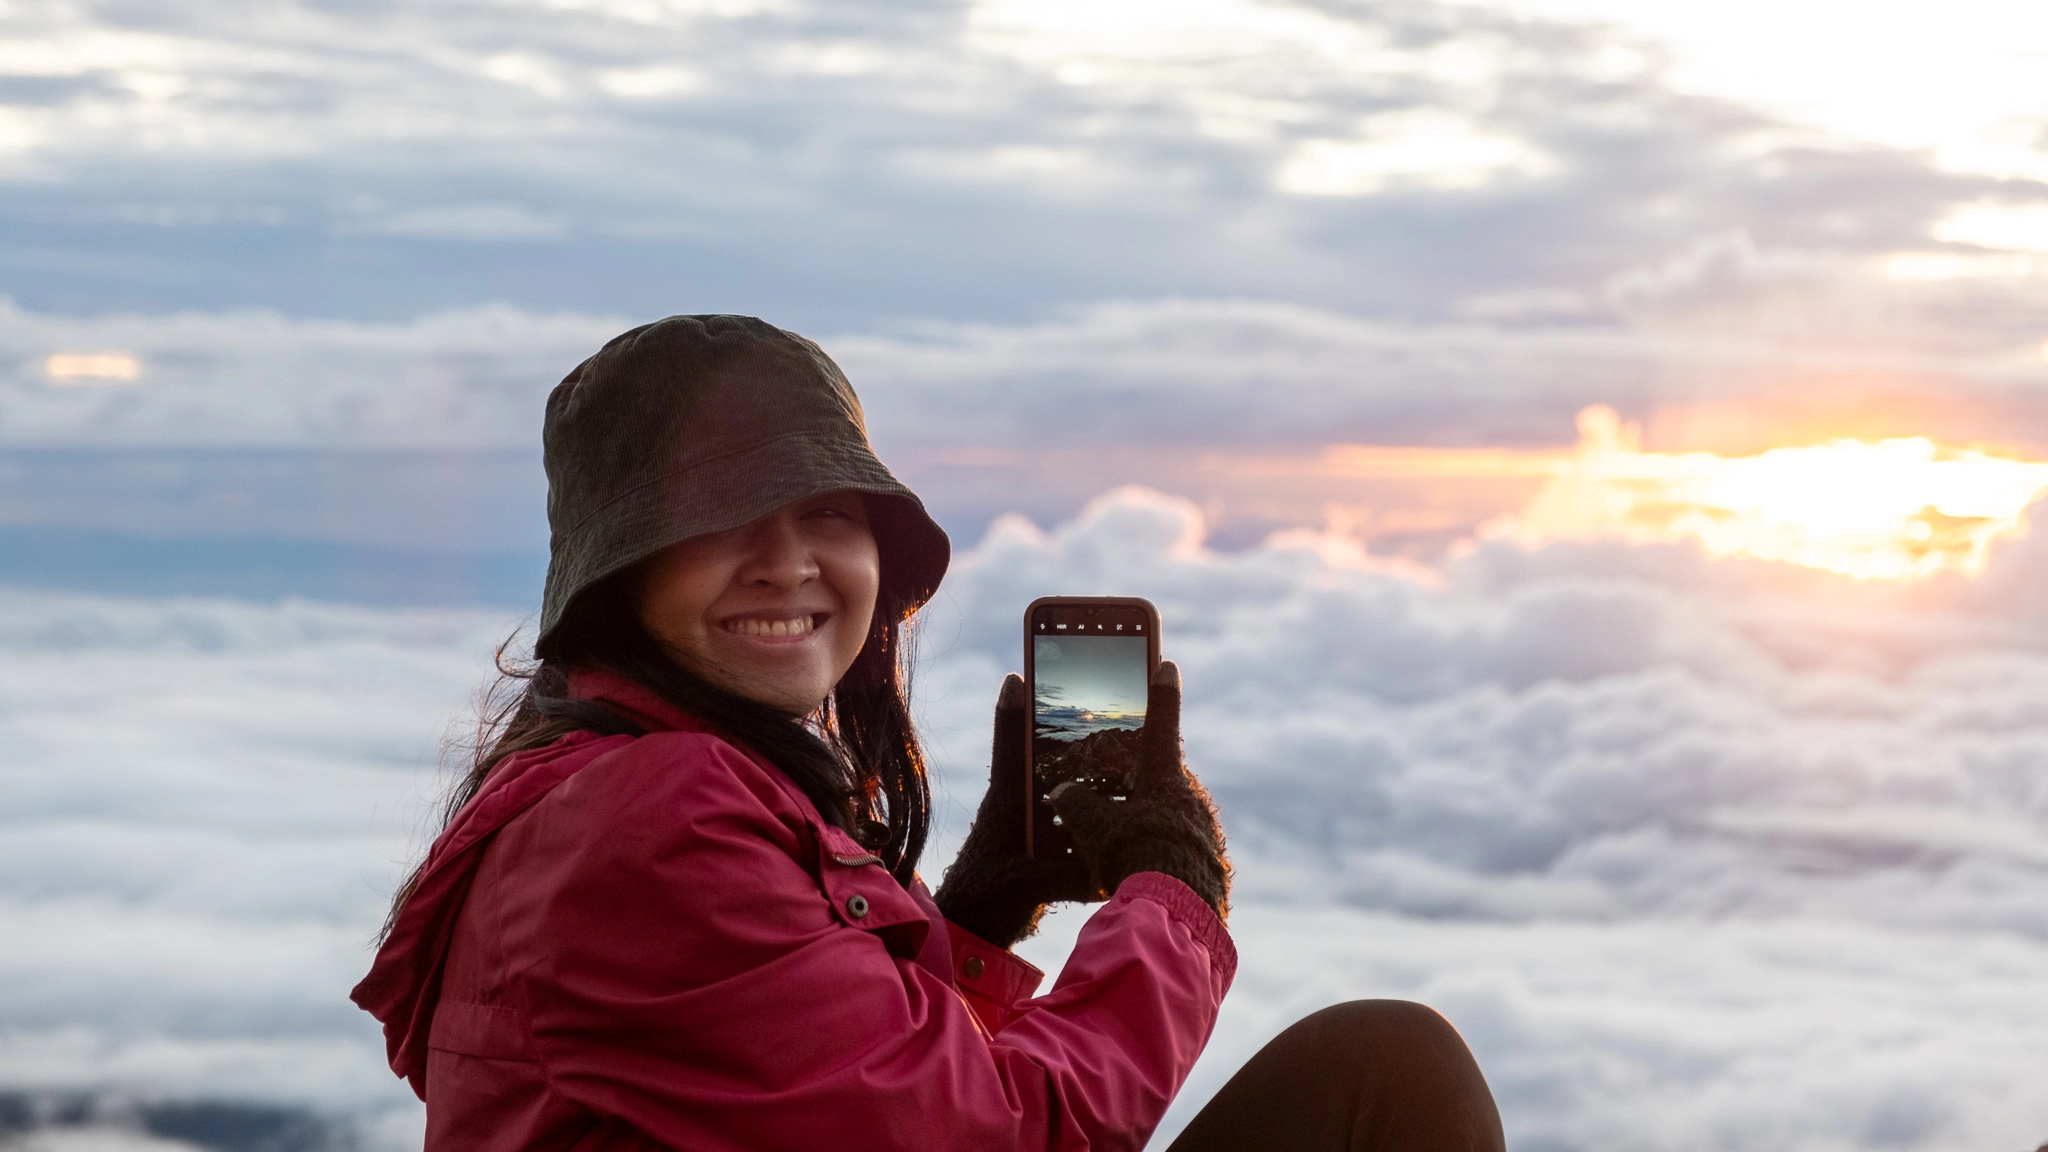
784,626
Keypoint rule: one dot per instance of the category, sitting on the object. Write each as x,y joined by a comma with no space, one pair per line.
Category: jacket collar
632,699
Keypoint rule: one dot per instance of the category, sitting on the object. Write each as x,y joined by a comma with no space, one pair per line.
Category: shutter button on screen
858,907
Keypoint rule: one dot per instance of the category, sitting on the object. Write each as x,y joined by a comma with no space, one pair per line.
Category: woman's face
775,610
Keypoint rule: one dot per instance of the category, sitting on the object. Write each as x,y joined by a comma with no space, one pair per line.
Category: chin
795,702
794,690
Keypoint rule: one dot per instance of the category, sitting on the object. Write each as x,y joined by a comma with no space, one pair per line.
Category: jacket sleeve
704,973
995,982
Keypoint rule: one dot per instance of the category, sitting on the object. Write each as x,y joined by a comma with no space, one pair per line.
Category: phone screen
1091,666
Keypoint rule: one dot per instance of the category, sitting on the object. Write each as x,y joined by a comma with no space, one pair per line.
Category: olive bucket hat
697,424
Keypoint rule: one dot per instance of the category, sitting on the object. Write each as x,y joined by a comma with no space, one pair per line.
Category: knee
1405,1017
1377,1026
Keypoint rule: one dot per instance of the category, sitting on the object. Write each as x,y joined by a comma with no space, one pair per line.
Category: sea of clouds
1697,854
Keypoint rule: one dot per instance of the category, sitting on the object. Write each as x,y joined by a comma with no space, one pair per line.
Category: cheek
677,593
859,579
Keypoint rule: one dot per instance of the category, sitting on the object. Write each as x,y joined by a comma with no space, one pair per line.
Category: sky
1405,353
1059,246
1074,679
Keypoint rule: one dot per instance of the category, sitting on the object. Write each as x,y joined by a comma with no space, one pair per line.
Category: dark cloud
838,166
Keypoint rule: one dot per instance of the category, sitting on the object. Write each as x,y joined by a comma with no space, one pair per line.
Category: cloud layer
425,433
1698,854
839,167
1585,732
1229,375
211,802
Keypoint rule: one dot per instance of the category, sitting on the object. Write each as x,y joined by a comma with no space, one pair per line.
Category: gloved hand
1168,824
992,888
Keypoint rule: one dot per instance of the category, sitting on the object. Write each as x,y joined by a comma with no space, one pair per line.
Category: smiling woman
676,900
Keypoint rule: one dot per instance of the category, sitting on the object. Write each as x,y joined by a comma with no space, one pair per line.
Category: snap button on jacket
657,942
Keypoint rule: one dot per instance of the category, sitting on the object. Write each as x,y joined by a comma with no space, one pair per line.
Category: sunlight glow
1425,149
81,368
1981,116
2007,227
1892,509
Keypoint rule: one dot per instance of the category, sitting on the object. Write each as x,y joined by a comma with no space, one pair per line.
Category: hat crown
680,393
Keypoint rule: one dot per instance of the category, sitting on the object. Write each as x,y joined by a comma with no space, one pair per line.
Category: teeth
752,626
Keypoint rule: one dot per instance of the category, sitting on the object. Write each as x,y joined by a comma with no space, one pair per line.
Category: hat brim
738,489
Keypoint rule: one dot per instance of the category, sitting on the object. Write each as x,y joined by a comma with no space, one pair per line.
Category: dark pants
1378,1075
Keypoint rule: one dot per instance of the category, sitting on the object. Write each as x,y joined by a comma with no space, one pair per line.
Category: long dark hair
857,759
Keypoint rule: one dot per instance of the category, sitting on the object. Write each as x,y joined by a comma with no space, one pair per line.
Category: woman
676,904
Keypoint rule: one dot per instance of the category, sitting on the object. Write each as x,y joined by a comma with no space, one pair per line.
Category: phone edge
1153,649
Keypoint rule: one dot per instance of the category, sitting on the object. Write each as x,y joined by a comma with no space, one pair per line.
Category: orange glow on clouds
1889,509
77,367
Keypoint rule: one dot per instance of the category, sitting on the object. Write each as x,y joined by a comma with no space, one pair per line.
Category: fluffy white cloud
1582,732
1698,854
209,804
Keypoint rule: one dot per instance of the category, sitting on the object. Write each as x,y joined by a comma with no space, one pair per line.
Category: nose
777,556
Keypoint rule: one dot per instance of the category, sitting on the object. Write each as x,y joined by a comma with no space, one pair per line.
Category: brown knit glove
992,888
1167,825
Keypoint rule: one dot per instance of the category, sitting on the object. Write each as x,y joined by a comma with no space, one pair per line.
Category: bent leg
1367,1076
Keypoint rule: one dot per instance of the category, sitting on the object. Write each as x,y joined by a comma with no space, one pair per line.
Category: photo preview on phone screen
1088,700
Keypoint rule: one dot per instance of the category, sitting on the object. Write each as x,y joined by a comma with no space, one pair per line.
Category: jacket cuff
993,980
1191,911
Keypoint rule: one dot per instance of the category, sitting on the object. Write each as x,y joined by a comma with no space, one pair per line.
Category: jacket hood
404,982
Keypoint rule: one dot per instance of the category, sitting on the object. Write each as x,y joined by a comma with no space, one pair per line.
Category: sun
1890,509
1894,509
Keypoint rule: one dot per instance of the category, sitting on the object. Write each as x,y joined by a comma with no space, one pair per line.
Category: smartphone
1088,663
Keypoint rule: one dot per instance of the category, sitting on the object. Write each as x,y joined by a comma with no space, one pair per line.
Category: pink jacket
657,942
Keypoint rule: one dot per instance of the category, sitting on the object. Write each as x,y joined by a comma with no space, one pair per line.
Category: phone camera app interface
1091,670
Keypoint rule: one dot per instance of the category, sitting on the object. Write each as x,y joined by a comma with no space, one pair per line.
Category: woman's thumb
1083,811
1006,758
